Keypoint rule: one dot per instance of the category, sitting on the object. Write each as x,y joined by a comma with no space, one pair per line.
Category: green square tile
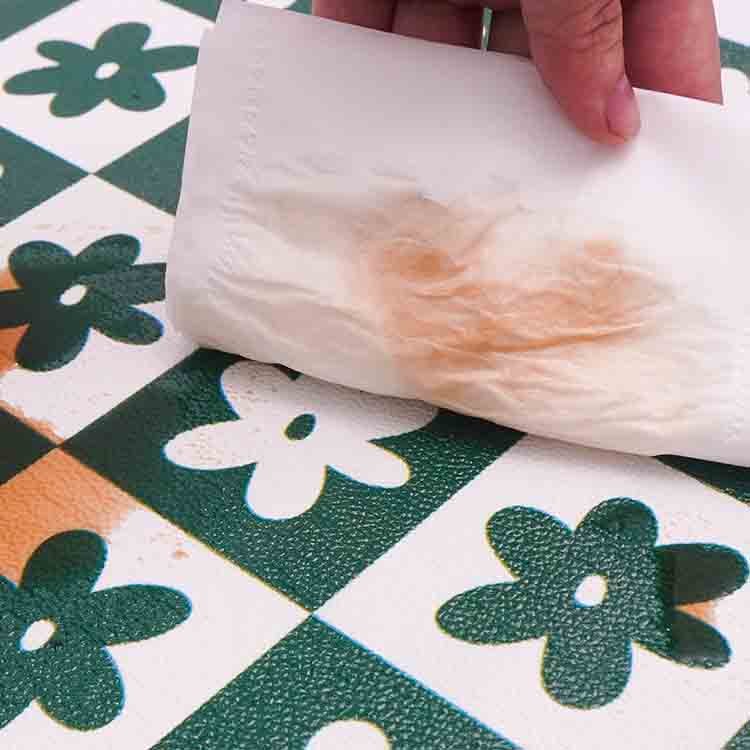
735,55
18,14
153,171
206,8
20,446
309,556
29,175
734,480
291,698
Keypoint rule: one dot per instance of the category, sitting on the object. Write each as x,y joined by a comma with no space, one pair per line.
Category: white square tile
106,371
234,618
391,607
94,139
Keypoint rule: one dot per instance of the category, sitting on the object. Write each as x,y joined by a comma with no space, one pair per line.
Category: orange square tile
53,495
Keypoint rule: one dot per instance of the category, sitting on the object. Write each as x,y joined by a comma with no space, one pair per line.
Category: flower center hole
37,635
73,295
300,427
107,70
349,733
591,591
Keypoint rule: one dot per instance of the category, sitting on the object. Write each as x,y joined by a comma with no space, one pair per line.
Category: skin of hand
590,53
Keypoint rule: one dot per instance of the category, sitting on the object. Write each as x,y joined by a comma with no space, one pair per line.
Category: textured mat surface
199,552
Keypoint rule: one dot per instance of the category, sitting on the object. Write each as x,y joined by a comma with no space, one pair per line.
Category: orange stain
55,494
486,313
701,610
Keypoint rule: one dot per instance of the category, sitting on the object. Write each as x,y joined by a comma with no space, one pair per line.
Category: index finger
673,47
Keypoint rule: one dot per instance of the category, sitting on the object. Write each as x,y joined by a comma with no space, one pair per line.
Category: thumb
577,46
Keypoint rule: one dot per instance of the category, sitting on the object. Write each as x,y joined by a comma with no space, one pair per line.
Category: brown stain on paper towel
489,310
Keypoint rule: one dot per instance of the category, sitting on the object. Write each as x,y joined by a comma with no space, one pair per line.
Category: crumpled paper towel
420,221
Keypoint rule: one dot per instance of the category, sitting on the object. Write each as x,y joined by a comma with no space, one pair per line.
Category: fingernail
623,117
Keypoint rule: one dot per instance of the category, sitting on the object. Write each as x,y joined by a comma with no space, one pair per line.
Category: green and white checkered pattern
200,552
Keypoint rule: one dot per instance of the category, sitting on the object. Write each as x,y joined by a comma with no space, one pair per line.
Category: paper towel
420,221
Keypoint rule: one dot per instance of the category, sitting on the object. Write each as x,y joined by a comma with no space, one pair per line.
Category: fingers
439,21
582,48
577,46
435,20
508,33
377,14
674,47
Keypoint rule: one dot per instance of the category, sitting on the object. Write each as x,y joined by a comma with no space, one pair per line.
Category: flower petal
370,464
688,640
134,285
249,387
586,669
170,58
285,484
16,692
527,540
16,686
225,445
700,572
137,91
37,265
7,592
38,81
108,253
122,40
128,325
621,522
78,96
81,688
68,563
499,613
16,308
133,613
51,342
68,53
362,416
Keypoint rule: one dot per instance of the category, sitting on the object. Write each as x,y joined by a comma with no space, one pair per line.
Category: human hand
588,52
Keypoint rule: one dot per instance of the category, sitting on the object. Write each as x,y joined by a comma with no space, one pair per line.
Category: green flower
63,296
118,69
70,673
592,592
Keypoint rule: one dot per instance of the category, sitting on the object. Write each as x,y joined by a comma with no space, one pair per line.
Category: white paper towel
420,221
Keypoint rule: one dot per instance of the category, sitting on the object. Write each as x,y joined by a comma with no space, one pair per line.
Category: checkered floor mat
203,553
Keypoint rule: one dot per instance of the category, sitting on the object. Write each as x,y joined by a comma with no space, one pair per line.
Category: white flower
293,430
